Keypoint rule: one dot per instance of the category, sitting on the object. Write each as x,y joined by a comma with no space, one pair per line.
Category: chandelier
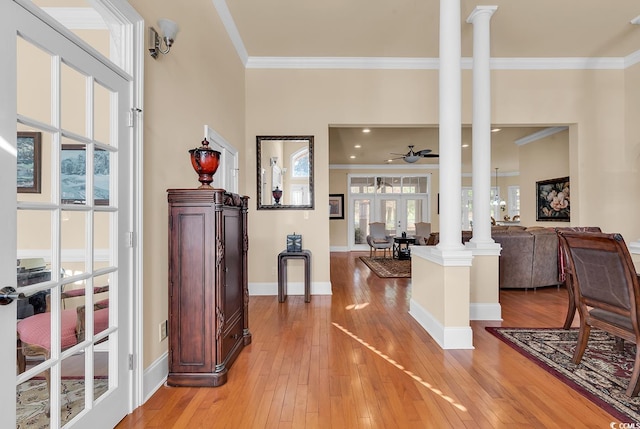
496,200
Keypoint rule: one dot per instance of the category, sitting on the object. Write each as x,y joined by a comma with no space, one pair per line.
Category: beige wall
201,81
592,102
295,102
632,147
542,160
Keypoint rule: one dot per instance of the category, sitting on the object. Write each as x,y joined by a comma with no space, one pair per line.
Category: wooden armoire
208,284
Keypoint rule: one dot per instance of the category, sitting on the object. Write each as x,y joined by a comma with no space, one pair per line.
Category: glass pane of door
414,212
361,218
389,215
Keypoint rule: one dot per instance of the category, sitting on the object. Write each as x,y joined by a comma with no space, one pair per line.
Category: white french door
398,212
401,212
67,227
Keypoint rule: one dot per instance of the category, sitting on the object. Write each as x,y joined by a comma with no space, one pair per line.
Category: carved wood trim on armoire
208,284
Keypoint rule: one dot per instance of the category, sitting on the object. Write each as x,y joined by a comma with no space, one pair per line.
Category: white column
481,133
450,127
484,290
440,276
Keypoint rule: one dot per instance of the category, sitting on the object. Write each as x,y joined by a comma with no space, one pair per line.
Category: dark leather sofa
529,256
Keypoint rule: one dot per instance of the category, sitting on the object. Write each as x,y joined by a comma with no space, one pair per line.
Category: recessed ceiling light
495,130
352,157
465,145
358,146
366,130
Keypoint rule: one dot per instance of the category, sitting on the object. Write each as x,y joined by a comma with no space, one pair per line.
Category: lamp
169,30
496,201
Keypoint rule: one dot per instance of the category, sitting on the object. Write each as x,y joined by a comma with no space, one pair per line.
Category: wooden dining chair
564,275
607,291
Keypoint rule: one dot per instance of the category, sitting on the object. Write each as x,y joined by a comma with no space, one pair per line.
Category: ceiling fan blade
430,155
423,152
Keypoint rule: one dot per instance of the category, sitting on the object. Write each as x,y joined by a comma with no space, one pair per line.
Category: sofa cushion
545,257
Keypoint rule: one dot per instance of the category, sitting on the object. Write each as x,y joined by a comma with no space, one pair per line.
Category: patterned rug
32,401
388,267
602,376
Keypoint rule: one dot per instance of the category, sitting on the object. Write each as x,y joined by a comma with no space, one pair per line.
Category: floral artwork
554,200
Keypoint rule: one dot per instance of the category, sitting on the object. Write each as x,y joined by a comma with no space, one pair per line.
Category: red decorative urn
205,161
277,194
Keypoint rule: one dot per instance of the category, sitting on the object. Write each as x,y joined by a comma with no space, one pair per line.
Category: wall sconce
169,30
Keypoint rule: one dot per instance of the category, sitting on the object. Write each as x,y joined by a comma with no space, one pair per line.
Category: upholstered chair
378,239
607,291
34,332
423,231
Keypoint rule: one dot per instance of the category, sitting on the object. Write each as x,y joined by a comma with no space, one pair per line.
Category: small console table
401,247
282,273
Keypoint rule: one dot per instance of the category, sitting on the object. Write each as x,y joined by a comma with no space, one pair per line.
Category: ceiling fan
412,156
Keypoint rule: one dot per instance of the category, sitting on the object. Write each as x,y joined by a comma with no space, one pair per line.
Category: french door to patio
398,212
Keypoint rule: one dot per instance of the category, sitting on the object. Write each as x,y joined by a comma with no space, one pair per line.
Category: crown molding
358,63
632,59
567,63
539,135
381,63
507,174
232,30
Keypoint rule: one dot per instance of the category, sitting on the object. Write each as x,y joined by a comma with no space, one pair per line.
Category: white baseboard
483,311
339,249
293,288
447,337
155,375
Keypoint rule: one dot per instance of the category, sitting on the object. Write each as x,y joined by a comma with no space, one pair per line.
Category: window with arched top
300,163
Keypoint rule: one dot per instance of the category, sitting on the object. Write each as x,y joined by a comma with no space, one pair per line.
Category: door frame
376,198
227,175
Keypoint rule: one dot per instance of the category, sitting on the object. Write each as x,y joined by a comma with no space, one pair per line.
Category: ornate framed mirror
285,172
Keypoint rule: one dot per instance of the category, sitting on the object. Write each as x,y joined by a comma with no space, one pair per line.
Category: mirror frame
260,206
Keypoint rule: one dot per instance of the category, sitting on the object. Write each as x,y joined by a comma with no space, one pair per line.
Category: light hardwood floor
357,359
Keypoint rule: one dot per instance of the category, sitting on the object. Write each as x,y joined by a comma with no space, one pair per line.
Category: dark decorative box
294,242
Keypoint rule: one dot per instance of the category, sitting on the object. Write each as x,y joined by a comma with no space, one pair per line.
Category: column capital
481,10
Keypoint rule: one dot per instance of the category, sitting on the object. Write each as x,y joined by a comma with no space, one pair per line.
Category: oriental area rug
602,376
388,267
32,401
